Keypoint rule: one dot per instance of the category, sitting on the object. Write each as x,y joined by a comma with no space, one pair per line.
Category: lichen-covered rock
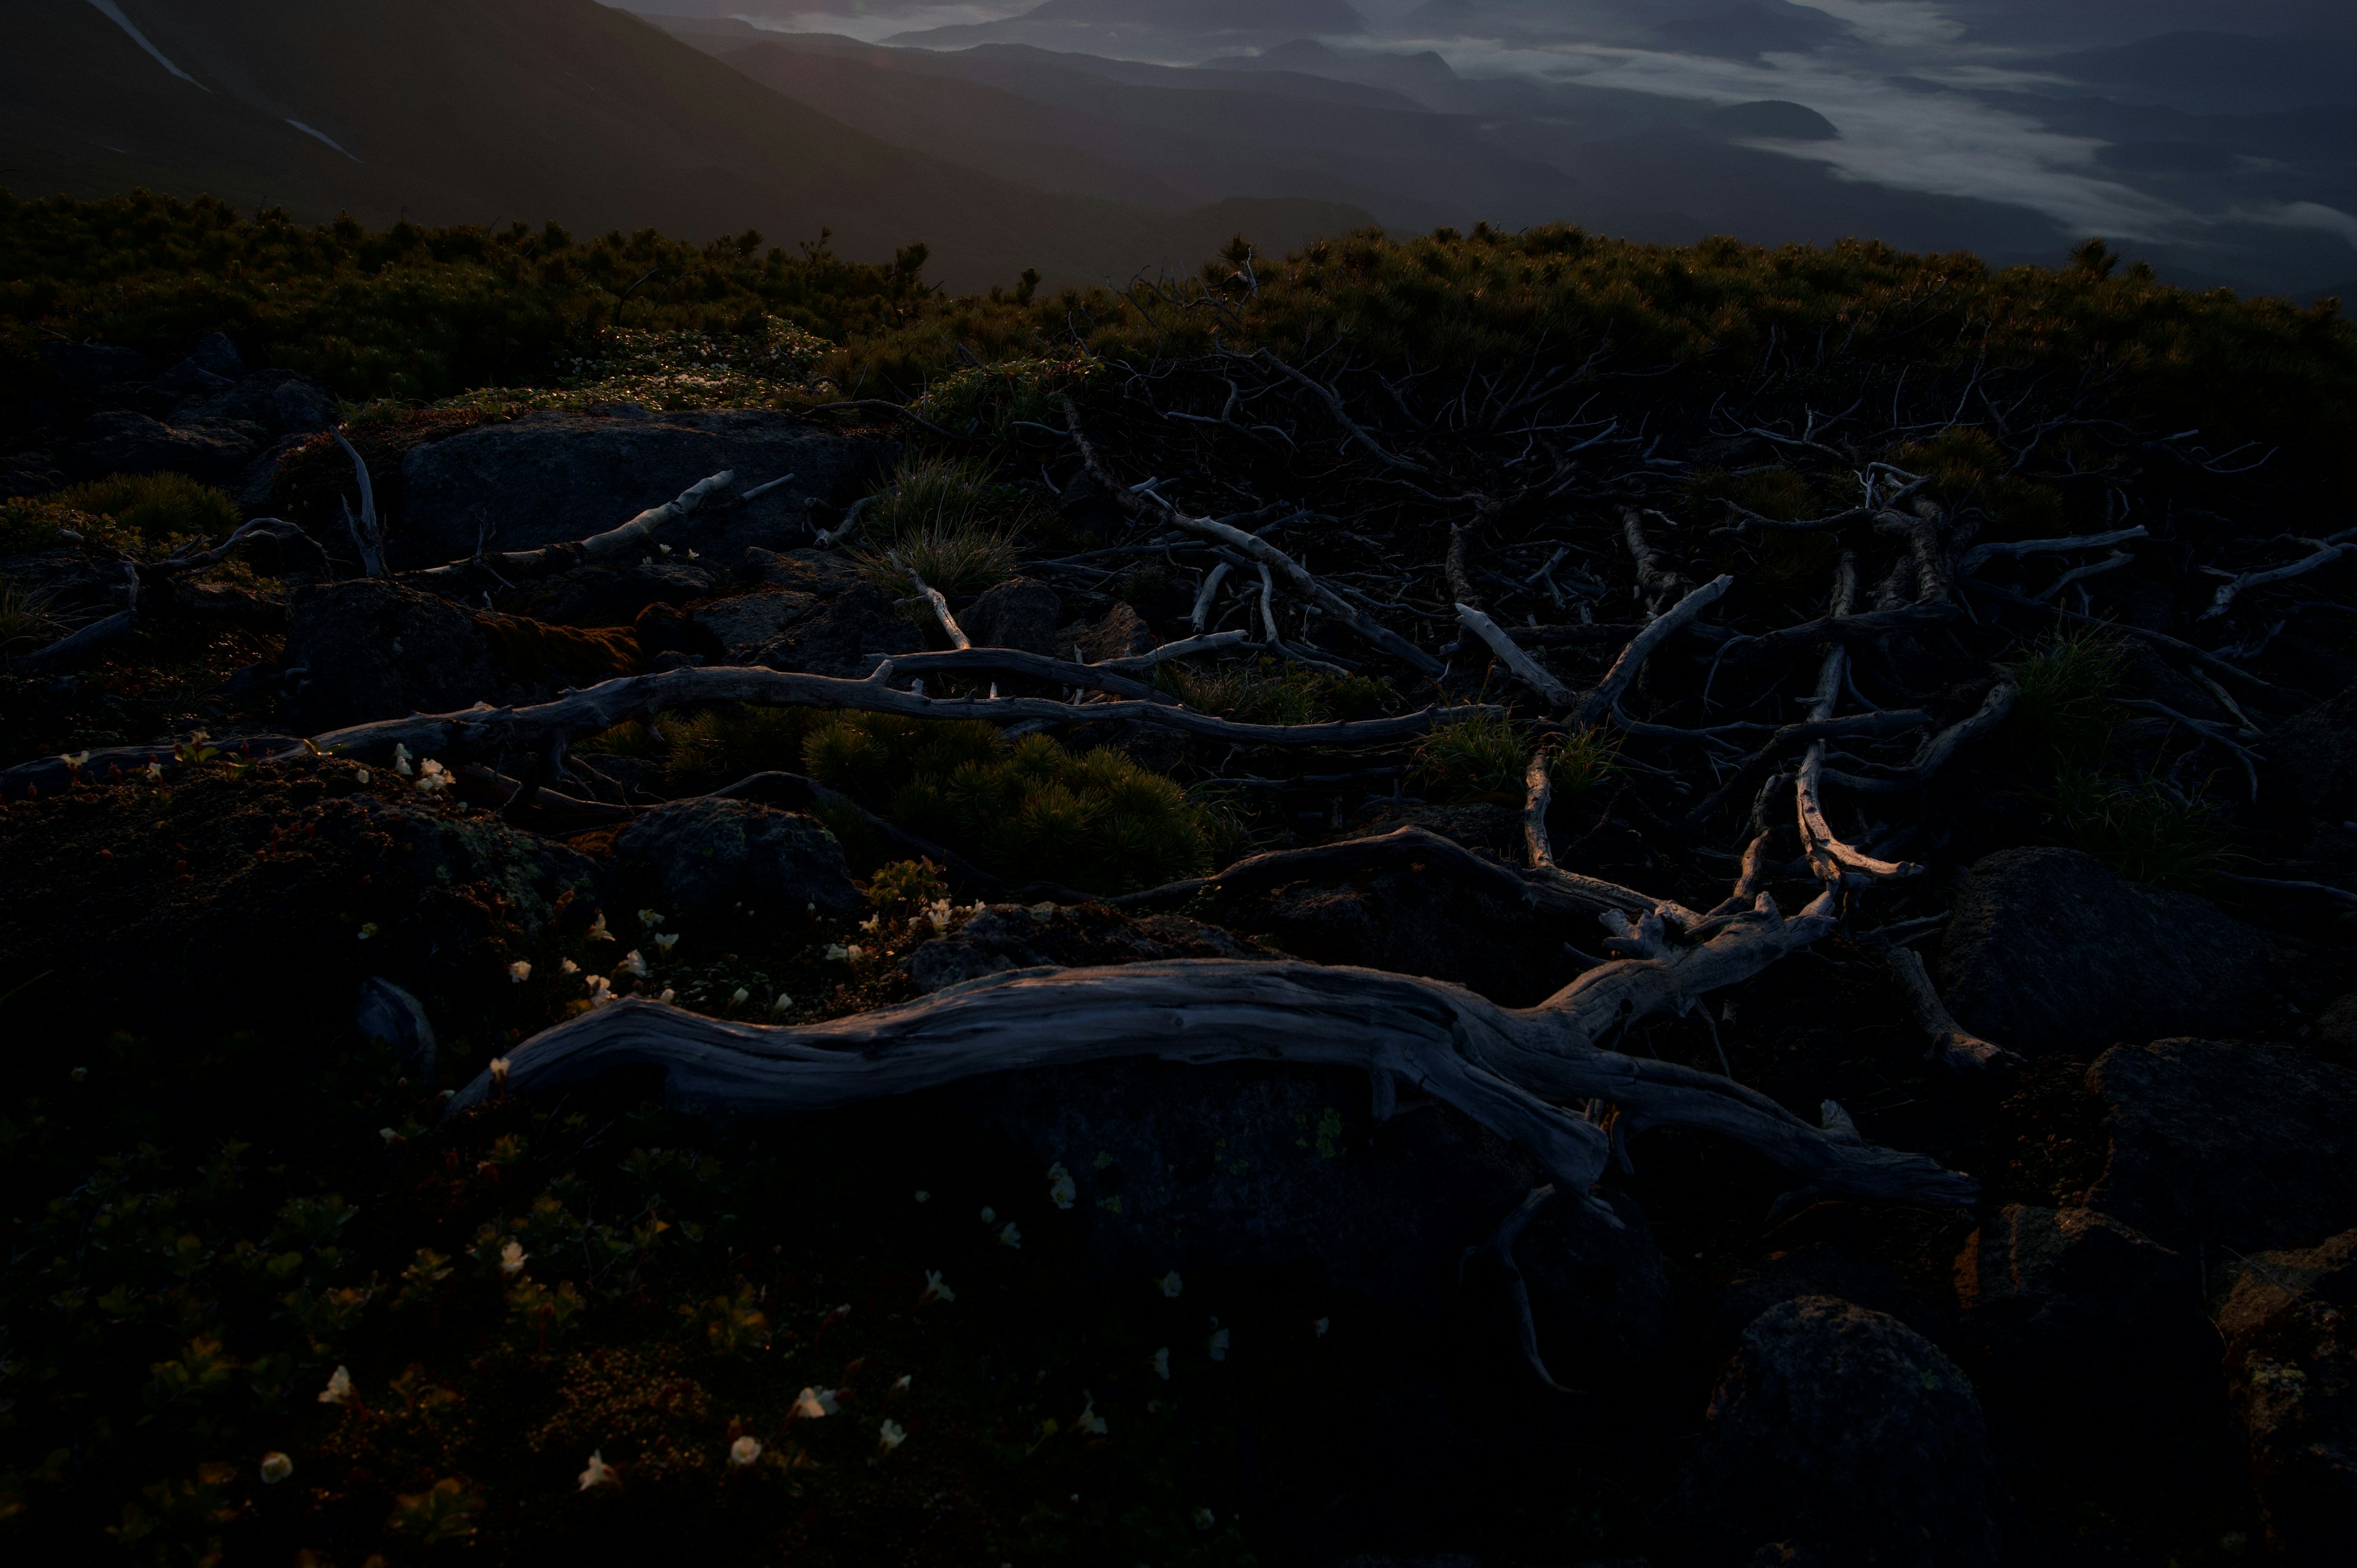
2226,1146
838,638
2290,1325
2049,951
371,649
710,855
747,623
549,477
1845,1436
1120,633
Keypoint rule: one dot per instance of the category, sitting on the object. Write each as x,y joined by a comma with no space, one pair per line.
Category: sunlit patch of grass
1268,692
1485,757
157,507
1584,760
950,521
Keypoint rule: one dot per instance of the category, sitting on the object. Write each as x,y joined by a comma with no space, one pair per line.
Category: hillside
448,111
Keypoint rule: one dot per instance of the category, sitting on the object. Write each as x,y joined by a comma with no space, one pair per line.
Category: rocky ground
268,1296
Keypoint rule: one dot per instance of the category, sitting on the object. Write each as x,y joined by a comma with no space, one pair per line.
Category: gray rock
1841,1435
2088,1347
2290,1326
2315,754
1119,633
2049,951
549,477
86,366
1254,1165
1010,936
746,623
364,649
1021,614
837,639
283,403
612,595
710,855
1823,1269
126,442
2227,1146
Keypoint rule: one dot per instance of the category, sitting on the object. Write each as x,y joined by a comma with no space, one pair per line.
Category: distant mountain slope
463,110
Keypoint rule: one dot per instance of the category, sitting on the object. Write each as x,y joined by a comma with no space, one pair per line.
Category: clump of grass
1583,761
157,507
26,619
1483,757
1268,692
2142,831
1966,467
2065,714
1032,811
949,519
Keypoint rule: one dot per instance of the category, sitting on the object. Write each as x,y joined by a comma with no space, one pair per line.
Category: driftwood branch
1600,704
1506,1069
1526,669
1953,1046
483,730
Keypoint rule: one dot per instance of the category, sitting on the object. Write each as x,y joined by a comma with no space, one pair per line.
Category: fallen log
1508,1070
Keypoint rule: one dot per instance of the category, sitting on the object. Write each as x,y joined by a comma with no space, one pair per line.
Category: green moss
1267,691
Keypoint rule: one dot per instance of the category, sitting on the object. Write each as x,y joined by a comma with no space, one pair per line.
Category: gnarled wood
1509,1070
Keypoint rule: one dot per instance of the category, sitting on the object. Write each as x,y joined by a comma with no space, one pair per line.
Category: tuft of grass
27,621
1967,467
950,521
2143,832
159,508
1472,758
1583,761
1268,692
2064,716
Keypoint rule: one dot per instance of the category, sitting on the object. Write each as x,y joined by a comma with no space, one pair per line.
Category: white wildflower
275,1468
597,932
74,758
568,967
872,925
1088,1420
338,1389
1205,1518
650,919
890,1434
934,1289
433,777
814,1403
837,954
499,1072
1061,1189
389,1135
855,952
1162,1363
785,1004
601,990
511,1258
401,761
665,941
745,1451
739,996
667,994
520,970
901,1384
155,770
1008,1236
1217,1344
599,1473
1171,1284
632,964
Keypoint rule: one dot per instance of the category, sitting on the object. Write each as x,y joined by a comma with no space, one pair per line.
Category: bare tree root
1509,1071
